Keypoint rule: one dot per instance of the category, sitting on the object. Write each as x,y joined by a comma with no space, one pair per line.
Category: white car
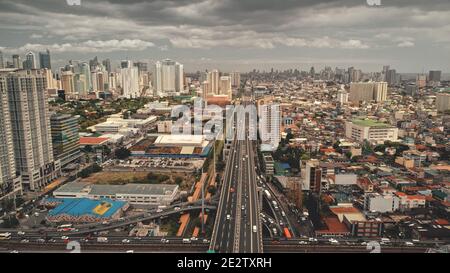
176,208
228,217
409,244
125,241
20,233
64,238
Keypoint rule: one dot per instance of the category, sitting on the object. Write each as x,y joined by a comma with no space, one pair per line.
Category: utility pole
203,206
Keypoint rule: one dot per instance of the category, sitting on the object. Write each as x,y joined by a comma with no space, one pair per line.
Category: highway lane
223,232
250,227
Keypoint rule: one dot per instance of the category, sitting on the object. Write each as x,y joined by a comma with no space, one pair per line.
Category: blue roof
84,206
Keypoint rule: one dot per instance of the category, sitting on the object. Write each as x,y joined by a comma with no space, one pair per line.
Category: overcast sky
409,35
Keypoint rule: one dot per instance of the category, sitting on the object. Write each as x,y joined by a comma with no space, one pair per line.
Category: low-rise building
375,202
136,194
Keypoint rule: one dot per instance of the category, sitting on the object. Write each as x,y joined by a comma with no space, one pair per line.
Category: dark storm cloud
403,30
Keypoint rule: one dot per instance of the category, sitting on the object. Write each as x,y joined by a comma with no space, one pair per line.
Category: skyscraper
168,78
67,83
30,123
107,64
130,81
65,138
30,61
225,86
434,76
368,91
235,79
17,63
10,183
391,77
1,60
213,79
269,122
44,60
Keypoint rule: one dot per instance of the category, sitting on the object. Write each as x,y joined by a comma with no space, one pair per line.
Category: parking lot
152,164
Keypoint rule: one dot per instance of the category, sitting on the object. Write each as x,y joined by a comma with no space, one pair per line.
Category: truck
102,240
287,233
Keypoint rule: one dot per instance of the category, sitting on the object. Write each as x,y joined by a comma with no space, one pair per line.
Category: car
64,238
228,217
164,241
254,229
129,251
159,210
125,241
364,243
194,239
409,244
311,239
302,243
186,241
25,241
40,240
333,241
20,233
243,208
14,251
176,208
206,241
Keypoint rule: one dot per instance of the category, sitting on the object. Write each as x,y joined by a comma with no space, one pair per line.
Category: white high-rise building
342,96
269,123
130,81
10,183
168,78
179,77
30,123
213,79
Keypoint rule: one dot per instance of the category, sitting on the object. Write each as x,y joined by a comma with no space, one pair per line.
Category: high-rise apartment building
17,63
368,91
443,102
235,79
10,183
434,76
130,81
168,78
225,86
269,115
30,125
68,84
65,138
213,78
2,64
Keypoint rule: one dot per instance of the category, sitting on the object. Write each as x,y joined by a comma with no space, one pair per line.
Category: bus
287,233
5,236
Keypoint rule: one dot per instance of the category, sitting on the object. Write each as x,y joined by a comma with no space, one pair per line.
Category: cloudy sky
409,35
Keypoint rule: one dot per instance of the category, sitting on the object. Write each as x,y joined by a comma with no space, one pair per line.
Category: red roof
93,140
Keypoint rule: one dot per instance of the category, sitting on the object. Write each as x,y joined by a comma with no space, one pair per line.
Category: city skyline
236,35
